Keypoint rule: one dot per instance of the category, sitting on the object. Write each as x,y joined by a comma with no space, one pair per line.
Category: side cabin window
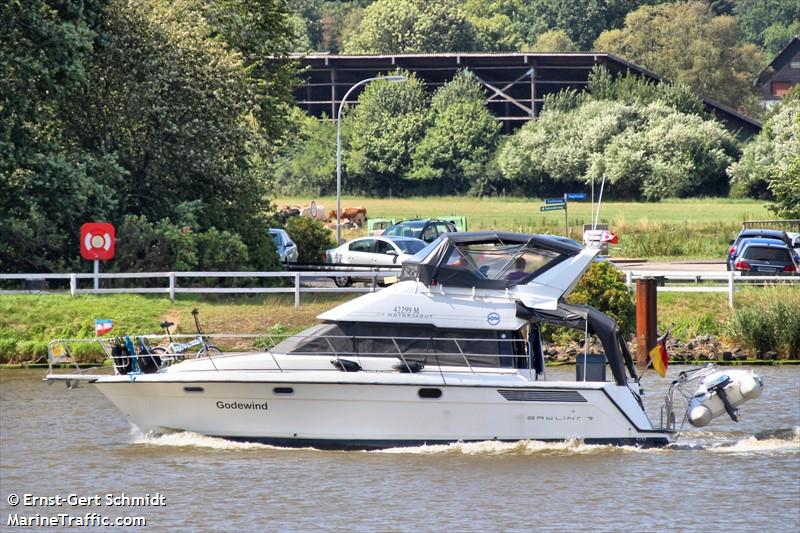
480,348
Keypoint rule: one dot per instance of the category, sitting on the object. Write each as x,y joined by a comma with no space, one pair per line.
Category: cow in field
355,215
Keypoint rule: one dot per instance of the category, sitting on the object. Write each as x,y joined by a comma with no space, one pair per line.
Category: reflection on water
745,476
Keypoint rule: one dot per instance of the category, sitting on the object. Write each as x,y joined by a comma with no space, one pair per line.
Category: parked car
427,229
765,257
372,251
737,245
287,249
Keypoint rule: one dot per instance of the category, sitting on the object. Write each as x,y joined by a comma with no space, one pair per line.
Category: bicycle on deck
174,347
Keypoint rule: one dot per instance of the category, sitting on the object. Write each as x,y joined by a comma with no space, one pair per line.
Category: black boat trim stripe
378,444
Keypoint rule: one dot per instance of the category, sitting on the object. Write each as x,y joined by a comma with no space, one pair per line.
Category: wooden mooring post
646,318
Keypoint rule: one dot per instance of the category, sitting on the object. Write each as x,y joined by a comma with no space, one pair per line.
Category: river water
74,442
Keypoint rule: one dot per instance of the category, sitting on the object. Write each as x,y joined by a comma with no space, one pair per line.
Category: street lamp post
339,149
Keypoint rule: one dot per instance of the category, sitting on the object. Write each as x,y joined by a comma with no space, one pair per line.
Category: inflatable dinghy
722,392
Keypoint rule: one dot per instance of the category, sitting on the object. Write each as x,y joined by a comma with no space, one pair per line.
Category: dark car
737,245
426,229
762,257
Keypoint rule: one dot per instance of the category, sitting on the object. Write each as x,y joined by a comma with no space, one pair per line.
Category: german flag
659,356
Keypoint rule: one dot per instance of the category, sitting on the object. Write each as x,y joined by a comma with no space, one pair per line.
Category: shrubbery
143,246
769,323
648,141
770,164
603,286
311,238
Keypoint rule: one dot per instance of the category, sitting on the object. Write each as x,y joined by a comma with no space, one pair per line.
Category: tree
554,41
685,42
582,20
766,163
306,160
460,140
192,143
778,35
49,184
411,26
384,129
645,147
142,108
262,32
493,23
784,184
757,16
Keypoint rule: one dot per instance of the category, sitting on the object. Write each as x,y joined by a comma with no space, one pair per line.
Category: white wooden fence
712,281
172,287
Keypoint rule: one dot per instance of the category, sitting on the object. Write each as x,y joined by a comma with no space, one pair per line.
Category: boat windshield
498,261
488,260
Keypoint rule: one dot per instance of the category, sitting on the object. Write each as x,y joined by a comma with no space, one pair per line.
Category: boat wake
782,441
184,439
521,447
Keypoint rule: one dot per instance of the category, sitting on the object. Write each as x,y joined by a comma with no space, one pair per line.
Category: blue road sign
555,207
576,196
554,200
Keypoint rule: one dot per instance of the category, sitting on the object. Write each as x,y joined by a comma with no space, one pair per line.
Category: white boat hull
325,410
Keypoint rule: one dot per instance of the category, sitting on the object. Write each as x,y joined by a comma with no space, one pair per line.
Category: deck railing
149,353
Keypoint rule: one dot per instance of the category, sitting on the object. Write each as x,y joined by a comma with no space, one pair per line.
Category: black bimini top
486,259
585,317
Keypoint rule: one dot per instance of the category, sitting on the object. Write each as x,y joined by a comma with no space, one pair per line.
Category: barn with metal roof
516,83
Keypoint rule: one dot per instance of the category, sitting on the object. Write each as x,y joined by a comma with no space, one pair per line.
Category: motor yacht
451,352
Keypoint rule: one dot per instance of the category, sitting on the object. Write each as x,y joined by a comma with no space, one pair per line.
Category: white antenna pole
592,208
599,202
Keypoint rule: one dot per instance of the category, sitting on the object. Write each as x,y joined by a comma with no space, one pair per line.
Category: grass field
690,228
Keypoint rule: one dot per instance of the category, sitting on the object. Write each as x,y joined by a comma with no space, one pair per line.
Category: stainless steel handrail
56,356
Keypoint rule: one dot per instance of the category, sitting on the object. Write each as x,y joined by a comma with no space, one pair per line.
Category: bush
603,287
769,323
143,246
311,237
221,251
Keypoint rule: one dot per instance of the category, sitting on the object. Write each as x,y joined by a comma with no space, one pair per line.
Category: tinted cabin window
417,342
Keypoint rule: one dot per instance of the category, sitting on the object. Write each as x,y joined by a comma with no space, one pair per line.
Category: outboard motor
722,392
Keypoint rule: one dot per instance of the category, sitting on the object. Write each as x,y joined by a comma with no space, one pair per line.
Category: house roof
780,60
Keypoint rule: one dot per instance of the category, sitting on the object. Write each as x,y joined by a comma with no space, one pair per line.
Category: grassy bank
29,322
689,228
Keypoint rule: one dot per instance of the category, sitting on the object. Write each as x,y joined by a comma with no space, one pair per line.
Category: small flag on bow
102,326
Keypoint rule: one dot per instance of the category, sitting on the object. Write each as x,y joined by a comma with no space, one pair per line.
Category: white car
373,251
287,249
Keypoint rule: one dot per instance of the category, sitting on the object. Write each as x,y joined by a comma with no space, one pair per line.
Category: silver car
372,251
287,249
